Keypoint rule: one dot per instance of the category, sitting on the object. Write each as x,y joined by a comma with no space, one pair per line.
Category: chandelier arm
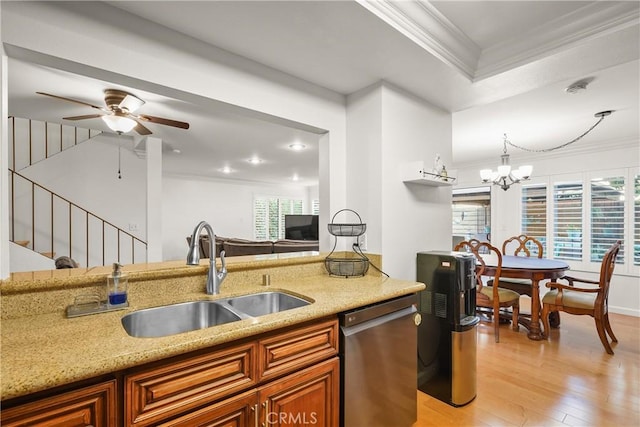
544,150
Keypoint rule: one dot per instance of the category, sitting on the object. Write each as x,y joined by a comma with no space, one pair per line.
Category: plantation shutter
607,216
567,232
534,213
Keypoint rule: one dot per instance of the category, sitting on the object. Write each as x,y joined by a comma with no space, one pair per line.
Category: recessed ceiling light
297,146
176,151
255,160
226,170
295,177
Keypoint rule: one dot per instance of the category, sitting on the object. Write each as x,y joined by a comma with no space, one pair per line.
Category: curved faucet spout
214,277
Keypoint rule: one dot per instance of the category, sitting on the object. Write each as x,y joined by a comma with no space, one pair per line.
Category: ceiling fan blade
161,121
141,129
131,103
73,100
88,116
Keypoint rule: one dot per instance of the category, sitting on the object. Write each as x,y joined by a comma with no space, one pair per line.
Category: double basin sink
190,316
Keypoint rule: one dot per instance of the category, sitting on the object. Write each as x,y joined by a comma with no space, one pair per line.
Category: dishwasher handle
370,312
360,327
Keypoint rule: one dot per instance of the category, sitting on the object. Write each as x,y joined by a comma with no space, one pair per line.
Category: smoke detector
579,86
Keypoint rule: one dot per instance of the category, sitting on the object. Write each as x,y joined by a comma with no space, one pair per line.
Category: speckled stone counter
41,348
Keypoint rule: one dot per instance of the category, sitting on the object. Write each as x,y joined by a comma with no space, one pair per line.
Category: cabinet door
89,406
308,397
238,411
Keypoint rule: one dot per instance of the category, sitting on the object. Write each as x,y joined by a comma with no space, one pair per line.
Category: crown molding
590,22
428,28
422,23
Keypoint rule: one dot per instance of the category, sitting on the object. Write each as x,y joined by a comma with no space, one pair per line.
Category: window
580,218
315,207
534,213
472,213
567,220
268,216
607,216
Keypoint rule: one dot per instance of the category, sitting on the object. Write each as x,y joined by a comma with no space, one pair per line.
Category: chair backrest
606,271
480,250
523,245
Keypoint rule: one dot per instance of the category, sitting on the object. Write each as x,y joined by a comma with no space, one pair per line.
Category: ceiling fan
120,106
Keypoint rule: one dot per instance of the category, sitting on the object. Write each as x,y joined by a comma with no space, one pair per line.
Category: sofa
239,247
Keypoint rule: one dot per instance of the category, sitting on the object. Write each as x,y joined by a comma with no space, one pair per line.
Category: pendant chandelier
505,176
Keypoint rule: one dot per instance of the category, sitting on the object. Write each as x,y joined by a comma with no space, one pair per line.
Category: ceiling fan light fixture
119,124
131,103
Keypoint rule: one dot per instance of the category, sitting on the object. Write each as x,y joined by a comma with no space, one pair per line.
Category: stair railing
137,245
46,147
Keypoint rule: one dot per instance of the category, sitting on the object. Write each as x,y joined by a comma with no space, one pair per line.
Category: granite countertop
46,350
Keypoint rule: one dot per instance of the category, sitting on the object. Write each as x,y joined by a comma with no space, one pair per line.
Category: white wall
23,259
364,177
414,218
387,129
226,206
624,295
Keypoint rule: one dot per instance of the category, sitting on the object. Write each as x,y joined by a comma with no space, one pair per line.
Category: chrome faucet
214,277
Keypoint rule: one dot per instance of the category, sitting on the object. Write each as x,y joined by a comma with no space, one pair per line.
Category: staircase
48,223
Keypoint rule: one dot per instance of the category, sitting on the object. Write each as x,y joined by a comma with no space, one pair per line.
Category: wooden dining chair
591,300
521,245
492,297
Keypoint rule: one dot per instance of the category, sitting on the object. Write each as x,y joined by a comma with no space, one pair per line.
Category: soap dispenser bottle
117,286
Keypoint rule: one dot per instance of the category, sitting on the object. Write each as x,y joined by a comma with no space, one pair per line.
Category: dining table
534,269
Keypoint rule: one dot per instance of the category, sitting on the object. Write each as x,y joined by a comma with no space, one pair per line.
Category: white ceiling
499,66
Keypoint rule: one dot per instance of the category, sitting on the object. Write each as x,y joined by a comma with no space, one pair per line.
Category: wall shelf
430,179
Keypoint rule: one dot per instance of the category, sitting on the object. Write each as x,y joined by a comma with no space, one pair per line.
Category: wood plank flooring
568,380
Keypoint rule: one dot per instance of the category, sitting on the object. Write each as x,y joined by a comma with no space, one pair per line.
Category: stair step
48,254
24,243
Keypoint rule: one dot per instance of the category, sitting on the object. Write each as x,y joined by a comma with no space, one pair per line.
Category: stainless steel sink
177,318
190,316
265,303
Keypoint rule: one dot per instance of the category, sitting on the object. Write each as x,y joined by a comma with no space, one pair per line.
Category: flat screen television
301,227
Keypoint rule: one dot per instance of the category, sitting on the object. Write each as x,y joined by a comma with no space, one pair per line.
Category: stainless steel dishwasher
378,356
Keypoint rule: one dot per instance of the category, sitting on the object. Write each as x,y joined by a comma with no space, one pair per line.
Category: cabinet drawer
161,392
89,406
290,351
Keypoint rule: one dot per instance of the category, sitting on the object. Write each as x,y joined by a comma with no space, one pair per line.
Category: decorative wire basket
353,266
347,229
346,267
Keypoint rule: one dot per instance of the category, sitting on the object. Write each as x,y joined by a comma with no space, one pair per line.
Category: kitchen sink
177,318
265,303
190,316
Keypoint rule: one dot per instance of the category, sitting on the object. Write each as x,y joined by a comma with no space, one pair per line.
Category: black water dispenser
447,337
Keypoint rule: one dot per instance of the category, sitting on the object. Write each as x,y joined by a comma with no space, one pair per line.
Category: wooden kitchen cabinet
297,348
162,391
278,379
308,397
89,406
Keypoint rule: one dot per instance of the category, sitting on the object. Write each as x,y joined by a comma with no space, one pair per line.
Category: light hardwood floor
568,380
